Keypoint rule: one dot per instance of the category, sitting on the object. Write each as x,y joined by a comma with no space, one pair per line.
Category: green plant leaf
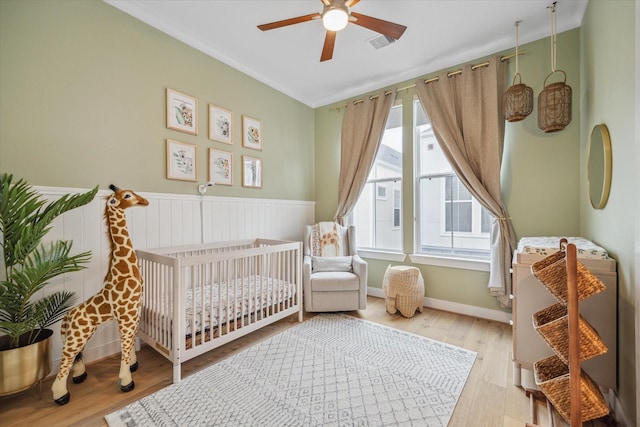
29,265
53,307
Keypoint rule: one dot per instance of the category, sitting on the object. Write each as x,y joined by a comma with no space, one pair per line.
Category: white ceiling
440,34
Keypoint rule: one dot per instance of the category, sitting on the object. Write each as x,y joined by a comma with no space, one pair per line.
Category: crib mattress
204,310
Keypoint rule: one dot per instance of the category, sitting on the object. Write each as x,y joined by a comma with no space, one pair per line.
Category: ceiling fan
335,17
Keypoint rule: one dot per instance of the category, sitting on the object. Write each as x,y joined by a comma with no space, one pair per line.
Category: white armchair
335,278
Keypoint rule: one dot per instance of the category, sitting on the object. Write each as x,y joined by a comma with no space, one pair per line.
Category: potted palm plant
28,265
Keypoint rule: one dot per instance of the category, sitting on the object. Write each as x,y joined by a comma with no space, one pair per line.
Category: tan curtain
362,129
467,117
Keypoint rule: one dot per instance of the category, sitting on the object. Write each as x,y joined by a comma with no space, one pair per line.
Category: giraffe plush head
123,199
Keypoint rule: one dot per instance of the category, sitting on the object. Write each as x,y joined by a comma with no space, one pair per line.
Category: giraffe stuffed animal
119,299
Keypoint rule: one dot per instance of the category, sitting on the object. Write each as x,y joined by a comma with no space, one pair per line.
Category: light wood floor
489,397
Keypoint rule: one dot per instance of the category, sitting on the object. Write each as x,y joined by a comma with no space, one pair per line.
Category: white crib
199,297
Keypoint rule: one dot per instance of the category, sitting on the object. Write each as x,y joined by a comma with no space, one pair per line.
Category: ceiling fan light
335,17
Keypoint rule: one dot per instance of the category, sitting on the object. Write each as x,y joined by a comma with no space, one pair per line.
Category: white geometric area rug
331,370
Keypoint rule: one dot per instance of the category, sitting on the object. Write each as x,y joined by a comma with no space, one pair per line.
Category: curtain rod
433,79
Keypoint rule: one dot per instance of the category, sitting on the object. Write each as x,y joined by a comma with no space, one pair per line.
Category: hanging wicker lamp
517,101
554,102
554,105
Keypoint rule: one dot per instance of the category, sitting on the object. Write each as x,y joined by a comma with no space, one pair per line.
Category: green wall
609,64
540,176
541,170
83,103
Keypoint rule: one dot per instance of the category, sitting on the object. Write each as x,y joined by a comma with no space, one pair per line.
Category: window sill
443,261
382,255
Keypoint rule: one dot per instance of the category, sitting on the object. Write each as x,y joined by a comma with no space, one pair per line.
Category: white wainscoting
169,220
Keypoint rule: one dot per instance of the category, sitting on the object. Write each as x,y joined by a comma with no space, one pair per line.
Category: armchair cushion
337,281
326,263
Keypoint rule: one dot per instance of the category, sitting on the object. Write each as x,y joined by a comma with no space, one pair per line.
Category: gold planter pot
22,367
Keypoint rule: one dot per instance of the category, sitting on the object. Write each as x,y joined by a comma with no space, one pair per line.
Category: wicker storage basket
403,288
552,376
552,272
552,323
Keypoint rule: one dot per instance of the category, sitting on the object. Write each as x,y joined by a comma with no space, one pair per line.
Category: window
458,206
378,214
449,220
396,208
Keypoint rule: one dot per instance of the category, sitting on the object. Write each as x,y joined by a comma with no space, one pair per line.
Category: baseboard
455,307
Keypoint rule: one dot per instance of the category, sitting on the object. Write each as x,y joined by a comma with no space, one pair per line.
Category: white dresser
530,296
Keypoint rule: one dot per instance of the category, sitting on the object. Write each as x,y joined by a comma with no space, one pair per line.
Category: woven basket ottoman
403,288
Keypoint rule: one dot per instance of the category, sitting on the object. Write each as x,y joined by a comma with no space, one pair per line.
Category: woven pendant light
554,102
517,101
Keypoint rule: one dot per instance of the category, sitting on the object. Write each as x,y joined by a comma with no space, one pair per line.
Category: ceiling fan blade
290,21
329,43
351,3
387,28
326,2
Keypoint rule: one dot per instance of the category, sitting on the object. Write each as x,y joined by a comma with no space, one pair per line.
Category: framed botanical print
182,112
220,167
181,160
220,124
251,172
251,133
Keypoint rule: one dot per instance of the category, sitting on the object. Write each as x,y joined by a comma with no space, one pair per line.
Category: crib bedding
253,292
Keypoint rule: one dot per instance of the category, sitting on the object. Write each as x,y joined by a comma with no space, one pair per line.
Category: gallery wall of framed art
182,115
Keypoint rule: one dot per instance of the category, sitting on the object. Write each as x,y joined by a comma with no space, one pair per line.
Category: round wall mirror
599,166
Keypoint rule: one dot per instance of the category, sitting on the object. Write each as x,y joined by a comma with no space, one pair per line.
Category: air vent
381,41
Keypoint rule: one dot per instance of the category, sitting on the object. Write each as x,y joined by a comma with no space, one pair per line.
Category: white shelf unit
530,296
